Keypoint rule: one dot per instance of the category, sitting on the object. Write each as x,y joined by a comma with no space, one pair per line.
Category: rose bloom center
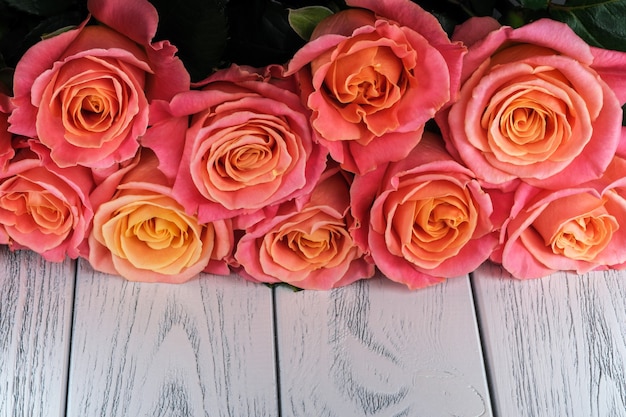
36,208
580,237
366,81
311,241
247,155
154,237
430,223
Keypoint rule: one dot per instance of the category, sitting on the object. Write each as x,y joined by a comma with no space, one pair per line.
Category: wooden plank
377,349
555,346
202,348
35,318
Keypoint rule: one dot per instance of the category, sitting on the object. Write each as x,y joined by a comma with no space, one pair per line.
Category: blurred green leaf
198,28
599,22
304,20
483,7
535,4
514,18
448,24
40,7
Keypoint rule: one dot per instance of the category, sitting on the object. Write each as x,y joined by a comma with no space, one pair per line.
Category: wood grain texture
35,319
376,349
555,346
198,349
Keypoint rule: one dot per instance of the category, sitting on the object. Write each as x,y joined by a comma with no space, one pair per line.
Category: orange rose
424,218
85,92
537,104
248,145
309,248
43,207
575,229
373,75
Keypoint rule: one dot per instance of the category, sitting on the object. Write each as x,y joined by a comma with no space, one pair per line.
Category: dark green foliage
600,22
198,28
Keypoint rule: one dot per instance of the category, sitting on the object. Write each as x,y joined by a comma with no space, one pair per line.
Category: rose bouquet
311,143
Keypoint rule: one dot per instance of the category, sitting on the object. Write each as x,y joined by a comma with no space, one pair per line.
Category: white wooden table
78,343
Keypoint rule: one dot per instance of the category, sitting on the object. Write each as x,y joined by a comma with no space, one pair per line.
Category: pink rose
573,229
374,77
309,248
44,208
537,104
85,93
429,218
141,232
248,145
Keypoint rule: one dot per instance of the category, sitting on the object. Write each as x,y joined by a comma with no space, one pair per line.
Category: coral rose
429,218
85,92
249,144
144,234
374,77
309,248
575,229
537,104
44,208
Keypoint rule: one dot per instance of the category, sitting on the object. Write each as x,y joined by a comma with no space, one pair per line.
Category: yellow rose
143,234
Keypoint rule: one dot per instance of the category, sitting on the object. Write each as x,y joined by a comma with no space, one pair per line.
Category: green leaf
198,28
40,7
599,22
304,20
58,32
